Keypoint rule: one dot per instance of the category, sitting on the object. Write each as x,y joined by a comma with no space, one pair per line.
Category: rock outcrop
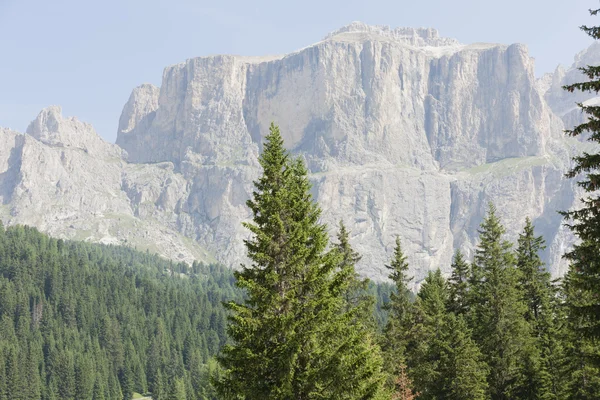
563,103
405,133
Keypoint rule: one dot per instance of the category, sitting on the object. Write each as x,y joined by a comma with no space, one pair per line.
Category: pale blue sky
87,55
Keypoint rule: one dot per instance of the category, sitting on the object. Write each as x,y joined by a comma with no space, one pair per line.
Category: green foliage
423,355
584,275
463,370
582,352
582,282
84,321
357,295
544,369
458,301
294,336
177,390
398,331
498,310
444,361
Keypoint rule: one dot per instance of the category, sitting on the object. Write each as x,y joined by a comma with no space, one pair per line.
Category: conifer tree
582,352
291,337
458,283
3,374
14,379
357,297
544,370
177,390
584,276
397,333
464,372
423,357
126,380
533,278
98,393
445,361
84,377
160,388
497,318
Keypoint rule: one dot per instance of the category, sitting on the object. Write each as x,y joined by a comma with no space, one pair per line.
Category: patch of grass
509,165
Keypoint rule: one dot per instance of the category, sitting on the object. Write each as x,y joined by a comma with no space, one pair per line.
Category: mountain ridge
399,139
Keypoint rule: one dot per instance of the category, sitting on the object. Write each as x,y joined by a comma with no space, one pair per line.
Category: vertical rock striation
405,133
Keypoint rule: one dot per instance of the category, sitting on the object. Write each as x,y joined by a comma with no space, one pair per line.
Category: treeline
86,321
83,321
497,328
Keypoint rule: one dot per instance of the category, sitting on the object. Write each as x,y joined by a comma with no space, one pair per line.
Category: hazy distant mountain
405,133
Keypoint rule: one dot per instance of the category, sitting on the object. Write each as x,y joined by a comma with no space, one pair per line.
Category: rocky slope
405,133
562,102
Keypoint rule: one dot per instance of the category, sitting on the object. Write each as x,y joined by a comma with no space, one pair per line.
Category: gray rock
563,103
405,133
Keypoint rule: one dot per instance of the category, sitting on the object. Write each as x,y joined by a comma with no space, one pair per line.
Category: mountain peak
419,37
52,129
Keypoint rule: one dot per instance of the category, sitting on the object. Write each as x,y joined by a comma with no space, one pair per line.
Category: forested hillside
83,321
87,321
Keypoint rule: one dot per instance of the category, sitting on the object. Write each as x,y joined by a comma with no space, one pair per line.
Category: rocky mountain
562,102
405,133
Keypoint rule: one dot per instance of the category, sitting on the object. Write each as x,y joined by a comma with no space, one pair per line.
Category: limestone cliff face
362,95
563,103
64,179
405,133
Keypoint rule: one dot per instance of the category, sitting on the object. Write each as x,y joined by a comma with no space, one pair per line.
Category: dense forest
87,321
83,321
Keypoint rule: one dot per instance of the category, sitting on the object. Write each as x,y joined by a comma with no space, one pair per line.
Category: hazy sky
87,55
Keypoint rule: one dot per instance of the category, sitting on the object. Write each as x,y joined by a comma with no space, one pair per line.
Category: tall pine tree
292,337
498,314
462,364
544,368
582,282
582,351
398,331
458,300
584,276
357,296
444,361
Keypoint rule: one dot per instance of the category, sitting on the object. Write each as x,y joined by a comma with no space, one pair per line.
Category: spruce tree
445,362
458,301
98,393
582,352
176,390
14,379
291,337
498,314
533,278
160,387
357,296
33,387
84,377
398,331
423,358
3,374
584,276
544,370
462,367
